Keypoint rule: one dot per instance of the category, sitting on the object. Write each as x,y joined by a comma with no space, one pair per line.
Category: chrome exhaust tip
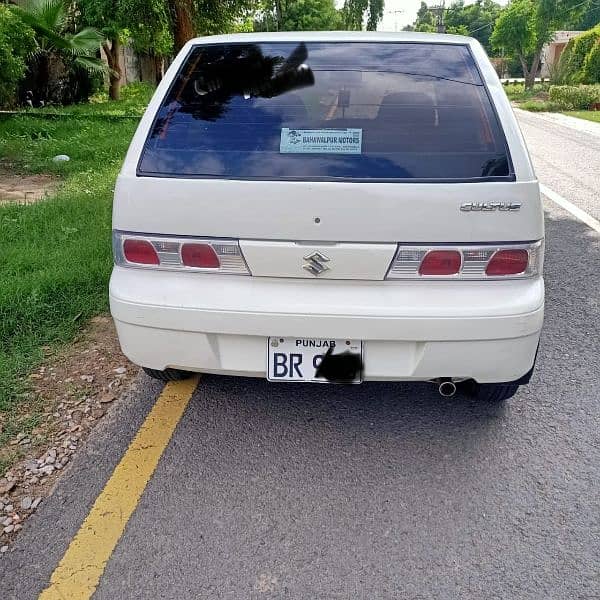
447,388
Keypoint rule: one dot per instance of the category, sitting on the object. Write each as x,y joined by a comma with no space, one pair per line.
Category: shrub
540,106
566,65
514,91
517,92
572,59
16,42
560,71
574,97
591,64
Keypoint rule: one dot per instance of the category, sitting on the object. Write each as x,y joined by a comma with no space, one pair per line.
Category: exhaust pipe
447,388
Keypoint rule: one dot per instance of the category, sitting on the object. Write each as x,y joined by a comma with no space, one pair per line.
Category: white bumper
410,330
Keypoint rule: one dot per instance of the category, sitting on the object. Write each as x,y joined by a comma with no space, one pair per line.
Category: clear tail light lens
473,261
178,254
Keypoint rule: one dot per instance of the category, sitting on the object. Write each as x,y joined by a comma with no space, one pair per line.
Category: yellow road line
78,573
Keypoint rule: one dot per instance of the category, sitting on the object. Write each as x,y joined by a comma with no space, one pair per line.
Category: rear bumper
411,330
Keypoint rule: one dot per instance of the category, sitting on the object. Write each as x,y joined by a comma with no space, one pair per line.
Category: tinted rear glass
327,111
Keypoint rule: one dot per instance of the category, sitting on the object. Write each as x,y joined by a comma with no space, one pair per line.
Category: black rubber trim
527,377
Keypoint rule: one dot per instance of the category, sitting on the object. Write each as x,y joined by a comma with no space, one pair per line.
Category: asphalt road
565,159
376,491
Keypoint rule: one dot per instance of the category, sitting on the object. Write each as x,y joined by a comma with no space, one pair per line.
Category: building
553,49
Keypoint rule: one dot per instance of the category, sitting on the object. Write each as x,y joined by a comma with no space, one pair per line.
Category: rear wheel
167,374
489,392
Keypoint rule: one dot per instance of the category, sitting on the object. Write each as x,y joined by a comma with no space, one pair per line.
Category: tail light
477,261
508,262
179,254
140,252
202,256
441,262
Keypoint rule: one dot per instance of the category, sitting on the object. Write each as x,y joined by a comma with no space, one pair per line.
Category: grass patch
535,99
539,106
588,115
133,102
56,256
516,92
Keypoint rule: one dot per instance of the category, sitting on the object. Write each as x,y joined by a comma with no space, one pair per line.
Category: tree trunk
159,68
43,77
112,52
278,15
535,65
183,11
530,73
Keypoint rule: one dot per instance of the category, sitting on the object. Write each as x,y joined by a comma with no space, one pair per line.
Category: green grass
539,106
134,98
55,256
589,115
535,100
516,92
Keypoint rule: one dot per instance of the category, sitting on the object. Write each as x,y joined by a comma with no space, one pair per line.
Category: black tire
489,392
167,374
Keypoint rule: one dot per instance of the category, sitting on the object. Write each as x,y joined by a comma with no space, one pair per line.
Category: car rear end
286,193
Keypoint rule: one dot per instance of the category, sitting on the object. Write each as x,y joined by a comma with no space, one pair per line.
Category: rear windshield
374,111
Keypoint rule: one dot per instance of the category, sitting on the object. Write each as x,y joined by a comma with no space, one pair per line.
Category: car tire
167,374
490,392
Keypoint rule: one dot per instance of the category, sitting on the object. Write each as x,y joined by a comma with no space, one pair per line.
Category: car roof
336,36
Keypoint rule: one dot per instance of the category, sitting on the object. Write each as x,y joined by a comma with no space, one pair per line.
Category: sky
393,20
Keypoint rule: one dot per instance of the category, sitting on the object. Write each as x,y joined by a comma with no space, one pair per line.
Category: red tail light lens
508,262
141,252
200,256
441,262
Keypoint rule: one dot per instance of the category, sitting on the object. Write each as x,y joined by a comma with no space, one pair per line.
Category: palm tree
54,42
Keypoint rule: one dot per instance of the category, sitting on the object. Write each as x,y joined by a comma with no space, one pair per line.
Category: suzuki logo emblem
315,263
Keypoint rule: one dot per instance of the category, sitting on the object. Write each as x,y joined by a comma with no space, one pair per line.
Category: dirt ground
25,189
70,393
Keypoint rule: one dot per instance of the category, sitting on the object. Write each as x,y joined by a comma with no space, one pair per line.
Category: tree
476,20
525,26
355,12
514,32
425,19
586,20
189,17
16,43
299,15
54,41
157,26
145,22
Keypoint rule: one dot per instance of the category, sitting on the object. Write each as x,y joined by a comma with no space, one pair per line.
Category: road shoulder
28,565
564,120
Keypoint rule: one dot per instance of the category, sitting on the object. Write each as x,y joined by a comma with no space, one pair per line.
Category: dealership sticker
328,141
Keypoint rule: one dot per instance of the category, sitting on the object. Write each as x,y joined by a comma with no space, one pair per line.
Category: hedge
573,57
574,97
591,64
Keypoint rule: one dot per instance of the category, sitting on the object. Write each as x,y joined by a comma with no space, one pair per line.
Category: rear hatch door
321,157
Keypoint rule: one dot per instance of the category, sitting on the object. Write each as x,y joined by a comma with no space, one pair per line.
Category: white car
331,207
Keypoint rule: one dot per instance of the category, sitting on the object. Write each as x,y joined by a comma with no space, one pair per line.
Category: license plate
316,360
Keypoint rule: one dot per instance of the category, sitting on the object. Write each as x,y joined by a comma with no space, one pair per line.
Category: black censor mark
345,367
